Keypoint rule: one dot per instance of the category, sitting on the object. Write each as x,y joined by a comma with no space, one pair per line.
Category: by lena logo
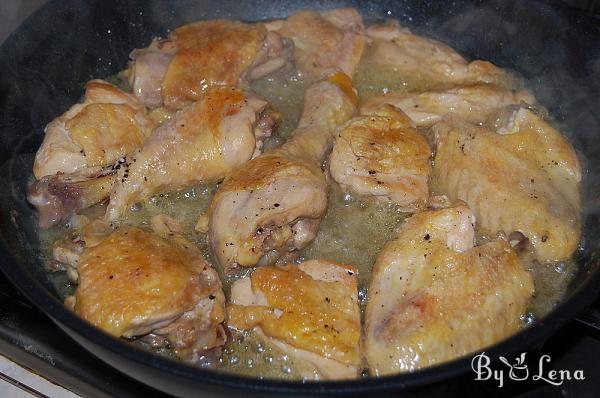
519,371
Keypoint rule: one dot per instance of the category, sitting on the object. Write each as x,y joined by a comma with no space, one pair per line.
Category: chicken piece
147,71
273,205
106,126
324,42
58,197
524,177
135,282
434,297
428,60
204,54
309,312
382,155
202,143
475,103
68,250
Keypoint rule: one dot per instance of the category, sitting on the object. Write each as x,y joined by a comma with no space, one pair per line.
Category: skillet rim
566,310
31,287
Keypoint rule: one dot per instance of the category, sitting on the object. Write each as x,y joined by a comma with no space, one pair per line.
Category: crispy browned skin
434,297
324,42
525,177
105,131
106,126
272,206
382,155
202,143
309,311
209,53
134,282
202,55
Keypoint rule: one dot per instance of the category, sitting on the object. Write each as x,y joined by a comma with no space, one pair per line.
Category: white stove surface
18,382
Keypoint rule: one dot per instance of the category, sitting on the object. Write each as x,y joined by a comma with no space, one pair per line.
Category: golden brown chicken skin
524,177
273,205
135,282
308,311
75,165
434,296
202,55
202,143
382,155
106,126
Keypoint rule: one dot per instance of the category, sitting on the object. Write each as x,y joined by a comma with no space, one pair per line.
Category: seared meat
428,60
273,205
202,55
309,312
475,103
435,297
135,282
324,42
106,126
147,71
193,140
523,177
382,155
202,143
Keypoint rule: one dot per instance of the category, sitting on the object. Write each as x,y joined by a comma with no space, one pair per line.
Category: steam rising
561,67
45,64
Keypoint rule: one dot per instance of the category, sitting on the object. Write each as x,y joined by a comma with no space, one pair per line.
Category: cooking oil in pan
353,230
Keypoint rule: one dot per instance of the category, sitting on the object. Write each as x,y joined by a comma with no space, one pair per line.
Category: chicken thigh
324,42
474,103
204,54
428,60
309,311
273,205
435,297
202,143
106,126
135,283
523,177
382,155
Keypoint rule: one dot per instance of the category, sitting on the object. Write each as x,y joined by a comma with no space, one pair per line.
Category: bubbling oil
353,230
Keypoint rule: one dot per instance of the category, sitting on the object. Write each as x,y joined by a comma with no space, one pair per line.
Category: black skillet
45,63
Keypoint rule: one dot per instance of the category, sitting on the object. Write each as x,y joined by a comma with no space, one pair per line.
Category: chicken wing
434,297
309,312
204,54
135,282
106,126
428,60
324,42
474,103
524,177
203,142
273,205
382,155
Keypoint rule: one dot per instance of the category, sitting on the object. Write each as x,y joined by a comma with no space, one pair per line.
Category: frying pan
45,63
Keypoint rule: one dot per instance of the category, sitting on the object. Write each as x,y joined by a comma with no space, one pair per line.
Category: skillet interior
44,65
